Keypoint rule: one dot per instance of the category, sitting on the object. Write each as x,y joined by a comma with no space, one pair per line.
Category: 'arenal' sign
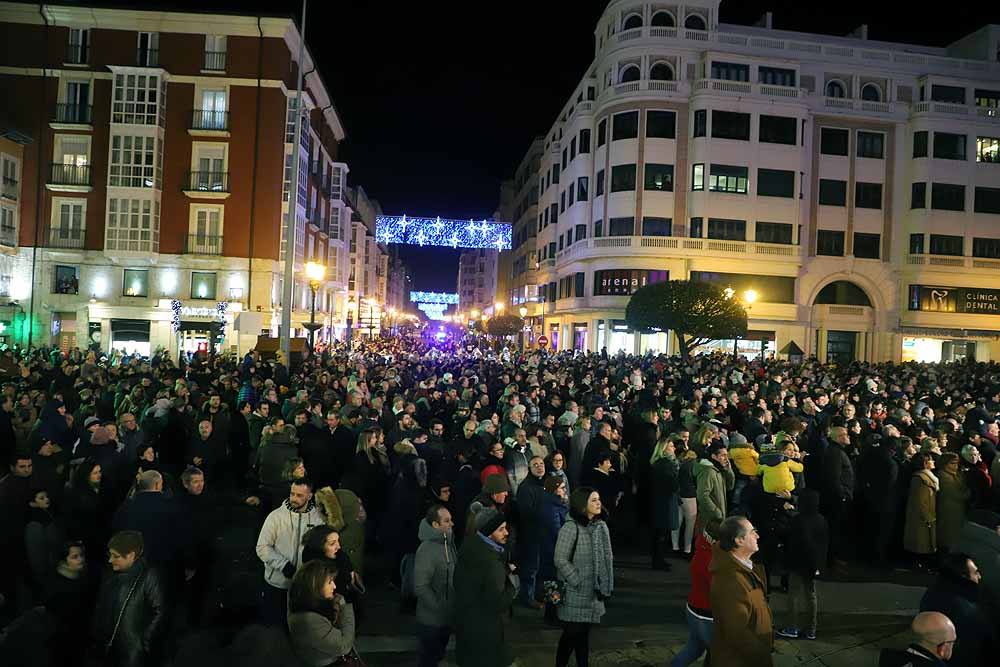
970,300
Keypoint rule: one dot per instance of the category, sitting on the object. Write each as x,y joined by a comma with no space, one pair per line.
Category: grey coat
580,604
433,577
318,642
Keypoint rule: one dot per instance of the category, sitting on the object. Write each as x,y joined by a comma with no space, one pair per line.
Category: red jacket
699,598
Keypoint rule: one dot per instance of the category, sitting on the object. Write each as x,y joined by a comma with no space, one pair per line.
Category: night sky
441,99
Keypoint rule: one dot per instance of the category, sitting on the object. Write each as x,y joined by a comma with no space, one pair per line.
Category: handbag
351,659
555,589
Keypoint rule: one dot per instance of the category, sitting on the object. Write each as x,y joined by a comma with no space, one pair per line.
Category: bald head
935,632
150,480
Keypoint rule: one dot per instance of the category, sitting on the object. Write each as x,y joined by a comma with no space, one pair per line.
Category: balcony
745,88
70,238
948,109
8,236
9,189
208,122
645,88
215,61
69,178
71,116
954,262
683,247
202,244
147,57
207,184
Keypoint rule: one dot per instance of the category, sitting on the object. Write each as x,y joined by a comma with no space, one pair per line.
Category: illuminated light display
434,297
435,311
443,232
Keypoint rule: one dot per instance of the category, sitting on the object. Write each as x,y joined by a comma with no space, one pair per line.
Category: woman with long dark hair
584,562
320,621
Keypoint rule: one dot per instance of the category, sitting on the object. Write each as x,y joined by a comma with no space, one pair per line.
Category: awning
932,332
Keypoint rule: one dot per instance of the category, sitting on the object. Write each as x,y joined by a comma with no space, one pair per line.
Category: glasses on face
557,460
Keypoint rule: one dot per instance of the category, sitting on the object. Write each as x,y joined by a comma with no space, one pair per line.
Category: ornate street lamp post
315,272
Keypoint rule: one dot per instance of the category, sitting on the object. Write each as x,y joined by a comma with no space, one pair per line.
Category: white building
477,280
853,184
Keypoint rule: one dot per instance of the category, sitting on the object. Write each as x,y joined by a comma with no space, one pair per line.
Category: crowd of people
474,482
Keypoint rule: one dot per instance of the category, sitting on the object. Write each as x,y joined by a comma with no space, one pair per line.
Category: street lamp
315,272
350,318
498,307
749,297
523,312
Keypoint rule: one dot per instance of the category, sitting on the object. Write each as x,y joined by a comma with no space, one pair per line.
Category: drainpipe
38,173
253,177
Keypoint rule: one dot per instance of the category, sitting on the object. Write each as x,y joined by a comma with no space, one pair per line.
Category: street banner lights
315,272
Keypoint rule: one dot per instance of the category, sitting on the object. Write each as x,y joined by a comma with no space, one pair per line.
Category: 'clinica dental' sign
970,300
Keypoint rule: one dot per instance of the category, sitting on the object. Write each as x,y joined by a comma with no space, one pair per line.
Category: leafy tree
504,325
697,312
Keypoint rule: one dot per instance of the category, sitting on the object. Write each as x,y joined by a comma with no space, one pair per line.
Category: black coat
344,445
138,641
316,447
838,476
879,474
158,518
957,599
808,537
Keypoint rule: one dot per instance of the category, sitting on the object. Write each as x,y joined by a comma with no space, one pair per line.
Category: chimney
764,21
861,32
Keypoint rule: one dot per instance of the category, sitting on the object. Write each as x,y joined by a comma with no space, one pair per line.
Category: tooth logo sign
938,297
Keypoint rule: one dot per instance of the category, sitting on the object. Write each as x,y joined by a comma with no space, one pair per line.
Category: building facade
853,185
477,280
12,143
157,184
368,280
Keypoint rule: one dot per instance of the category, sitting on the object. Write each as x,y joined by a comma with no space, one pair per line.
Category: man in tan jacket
742,633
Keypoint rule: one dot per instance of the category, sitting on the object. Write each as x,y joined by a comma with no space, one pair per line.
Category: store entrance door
840,346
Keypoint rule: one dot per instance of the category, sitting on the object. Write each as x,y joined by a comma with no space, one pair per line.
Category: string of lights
450,298
435,311
443,232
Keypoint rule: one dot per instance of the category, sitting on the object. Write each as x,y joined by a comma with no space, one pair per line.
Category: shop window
947,197
67,280
829,242
135,282
773,232
832,193
833,141
946,244
661,124
775,183
867,246
730,125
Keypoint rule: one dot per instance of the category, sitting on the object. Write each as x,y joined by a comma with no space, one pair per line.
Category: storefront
951,343
197,336
752,346
926,350
130,336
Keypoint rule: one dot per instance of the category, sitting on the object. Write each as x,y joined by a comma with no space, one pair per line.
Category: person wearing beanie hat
494,496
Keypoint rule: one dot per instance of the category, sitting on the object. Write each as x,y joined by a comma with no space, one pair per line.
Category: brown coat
741,632
952,502
920,531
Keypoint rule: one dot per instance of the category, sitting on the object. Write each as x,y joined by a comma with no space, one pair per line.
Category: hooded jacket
433,576
343,511
280,540
744,457
713,485
742,634
777,470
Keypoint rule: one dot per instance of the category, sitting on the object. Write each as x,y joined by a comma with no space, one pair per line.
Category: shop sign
188,311
625,282
968,300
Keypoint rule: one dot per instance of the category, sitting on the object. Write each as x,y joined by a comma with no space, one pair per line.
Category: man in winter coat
879,475
837,490
935,639
742,633
483,594
714,479
808,538
157,518
529,509
980,538
279,547
433,583
956,595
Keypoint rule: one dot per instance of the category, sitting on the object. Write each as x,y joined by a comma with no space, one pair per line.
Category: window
79,45
727,230
778,130
949,146
662,19
871,92
572,148
725,178
215,52
212,114
599,183
833,141
135,99
832,193
623,177
69,223
133,225
657,226
209,168
659,177
836,88
578,281
867,246
916,244
202,285
987,200
8,225
697,177
661,72
206,230
942,244
584,141
73,151
661,124
133,161
147,49
554,210
602,132
947,197
598,229
625,126
562,201
871,144
582,185
989,99
730,125
695,230
564,158
775,183
773,232
950,94
829,242
694,22
730,71
776,76
918,195
920,144
700,123
621,226
867,195
67,280
581,232
986,248
135,283
988,149
555,173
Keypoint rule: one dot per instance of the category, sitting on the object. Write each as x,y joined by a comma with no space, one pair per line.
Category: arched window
663,19
631,22
835,89
694,22
661,72
628,74
843,293
871,92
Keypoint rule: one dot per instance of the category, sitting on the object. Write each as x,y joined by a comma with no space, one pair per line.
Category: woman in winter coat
584,561
68,595
322,543
402,520
664,506
370,474
320,621
687,491
553,516
555,464
345,513
920,528
952,502
87,514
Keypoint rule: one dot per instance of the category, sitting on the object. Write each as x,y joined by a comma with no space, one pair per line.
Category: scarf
930,478
604,573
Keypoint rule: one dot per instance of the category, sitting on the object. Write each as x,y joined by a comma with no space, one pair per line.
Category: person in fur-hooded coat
345,512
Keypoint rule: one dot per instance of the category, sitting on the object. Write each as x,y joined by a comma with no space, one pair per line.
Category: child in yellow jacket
777,469
743,455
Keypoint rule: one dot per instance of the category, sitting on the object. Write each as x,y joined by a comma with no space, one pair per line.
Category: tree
697,312
504,325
